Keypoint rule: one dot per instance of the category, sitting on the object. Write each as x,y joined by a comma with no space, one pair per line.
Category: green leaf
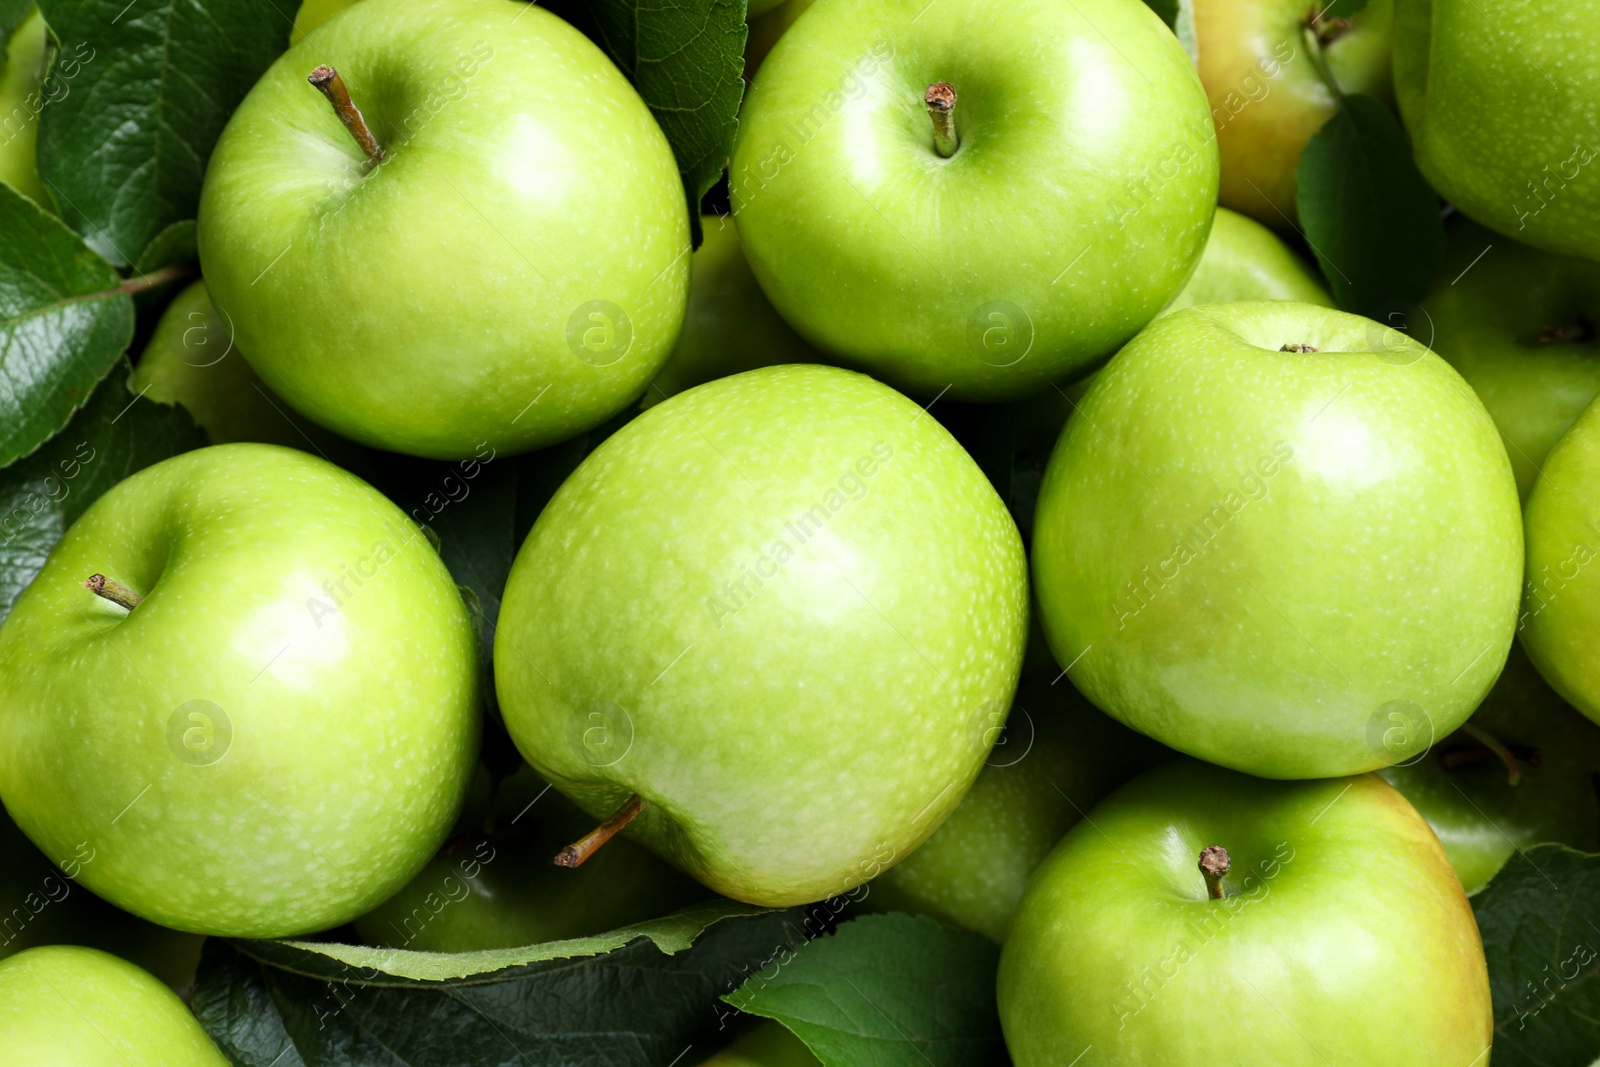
12,12
1371,220
635,996
885,991
115,435
1540,920
173,245
149,88
65,317
686,59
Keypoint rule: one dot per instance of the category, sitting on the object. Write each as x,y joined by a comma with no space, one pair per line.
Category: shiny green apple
314,13
1281,538
1259,61
1340,937
22,97
730,326
278,734
1560,622
1519,324
786,610
1519,773
1499,100
511,274
1069,203
769,1045
1057,758
1244,260
77,1007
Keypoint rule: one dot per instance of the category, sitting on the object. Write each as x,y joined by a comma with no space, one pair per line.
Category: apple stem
1492,743
1314,40
587,845
941,101
116,592
327,80
1214,864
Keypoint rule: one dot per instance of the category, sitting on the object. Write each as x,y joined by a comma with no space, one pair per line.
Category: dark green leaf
173,245
885,991
149,88
686,58
114,435
1540,920
64,319
12,12
638,996
1370,218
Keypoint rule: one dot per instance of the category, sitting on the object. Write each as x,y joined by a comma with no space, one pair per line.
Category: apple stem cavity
1214,864
116,592
1299,348
941,101
327,80
580,850
1492,743
1581,330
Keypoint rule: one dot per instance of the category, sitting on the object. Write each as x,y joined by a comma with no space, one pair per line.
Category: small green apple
1561,603
1500,108
77,1007
1519,325
278,733
783,609
1519,773
22,82
511,274
314,13
1338,935
1281,538
1244,260
1259,61
730,326
769,1045
1052,197
1057,758
499,889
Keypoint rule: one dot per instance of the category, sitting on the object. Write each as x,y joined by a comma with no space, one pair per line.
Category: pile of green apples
1295,646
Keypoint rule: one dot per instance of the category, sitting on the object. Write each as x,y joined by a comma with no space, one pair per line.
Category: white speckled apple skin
354,730
1364,558
800,744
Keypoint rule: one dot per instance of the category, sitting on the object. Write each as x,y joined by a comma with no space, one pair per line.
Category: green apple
512,274
272,740
314,13
78,1007
1058,757
783,609
1281,538
1244,260
1260,63
1500,108
191,360
498,889
1560,621
769,1045
1519,773
730,326
22,83
1519,326
1339,936
1055,198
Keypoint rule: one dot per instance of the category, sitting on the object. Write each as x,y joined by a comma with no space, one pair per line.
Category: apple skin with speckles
1342,940
62,1004
279,735
1244,260
787,610
1075,206
1560,623
513,273
1296,564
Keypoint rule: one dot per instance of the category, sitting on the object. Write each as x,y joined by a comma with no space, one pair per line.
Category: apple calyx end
328,82
116,592
1299,348
1214,865
1564,333
580,850
941,103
